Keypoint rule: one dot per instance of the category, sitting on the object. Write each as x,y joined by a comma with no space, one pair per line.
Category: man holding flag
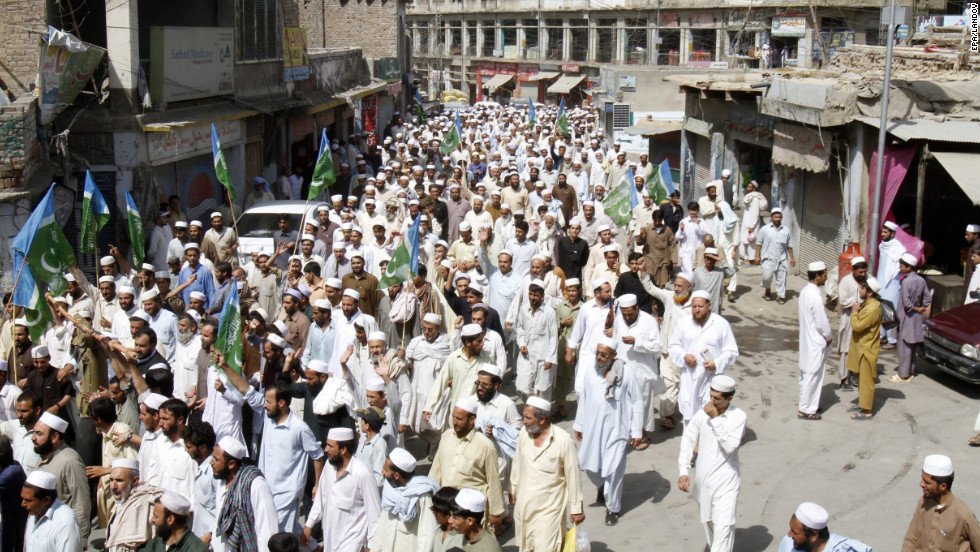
323,172
95,215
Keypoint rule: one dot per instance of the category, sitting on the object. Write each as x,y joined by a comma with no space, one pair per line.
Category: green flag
452,138
228,341
136,235
398,270
617,204
220,164
95,215
561,124
323,173
419,110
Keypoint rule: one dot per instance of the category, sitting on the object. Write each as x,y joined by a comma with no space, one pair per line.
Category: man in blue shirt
319,340
203,280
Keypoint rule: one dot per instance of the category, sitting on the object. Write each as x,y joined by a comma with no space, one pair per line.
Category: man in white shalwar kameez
545,483
458,373
426,353
889,253
754,203
637,337
848,298
704,347
815,338
710,444
690,234
589,327
406,523
609,417
536,330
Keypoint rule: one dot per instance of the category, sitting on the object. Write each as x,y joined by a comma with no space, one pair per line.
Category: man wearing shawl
405,524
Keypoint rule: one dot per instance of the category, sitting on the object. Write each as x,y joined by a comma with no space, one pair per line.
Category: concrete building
270,76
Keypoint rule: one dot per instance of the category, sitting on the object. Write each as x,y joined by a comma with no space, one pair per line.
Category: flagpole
405,323
10,307
234,223
302,224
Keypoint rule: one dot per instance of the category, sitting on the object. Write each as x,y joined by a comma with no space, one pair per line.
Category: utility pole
882,136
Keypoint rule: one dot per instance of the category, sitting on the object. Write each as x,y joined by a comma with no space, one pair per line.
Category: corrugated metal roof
967,132
653,128
965,170
565,84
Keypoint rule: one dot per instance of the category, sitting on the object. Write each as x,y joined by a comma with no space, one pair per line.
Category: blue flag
95,215
412,237
631,182
665,178
459,126
531,117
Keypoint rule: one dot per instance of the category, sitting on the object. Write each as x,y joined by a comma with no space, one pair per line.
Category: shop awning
965,170
497,81
653,128
565,84
967,132
800,147
544,75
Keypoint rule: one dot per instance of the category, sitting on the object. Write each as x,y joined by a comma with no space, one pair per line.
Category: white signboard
191,62
181,143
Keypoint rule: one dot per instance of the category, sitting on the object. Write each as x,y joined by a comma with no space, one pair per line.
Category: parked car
257,224
952,342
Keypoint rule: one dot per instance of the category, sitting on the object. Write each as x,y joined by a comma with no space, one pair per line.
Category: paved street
865,474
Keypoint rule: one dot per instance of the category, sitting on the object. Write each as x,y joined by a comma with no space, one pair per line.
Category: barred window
605,40
261,35
556,39
579,32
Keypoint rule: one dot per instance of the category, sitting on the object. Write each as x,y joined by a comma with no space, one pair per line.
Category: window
489,39
531,38
669,51
605,40
702,44
556,39
471,38
422,37
508,38
834,24
440,31
261,36
636,42
456,38
579,34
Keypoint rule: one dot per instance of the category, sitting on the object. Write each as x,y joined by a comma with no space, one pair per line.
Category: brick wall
19,48
20,150
370,25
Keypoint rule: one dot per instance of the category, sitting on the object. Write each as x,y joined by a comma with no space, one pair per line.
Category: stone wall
20,150
24,22
370,25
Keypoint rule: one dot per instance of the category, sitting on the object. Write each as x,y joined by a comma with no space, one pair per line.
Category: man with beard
457,208
711,439
397,314
247,510
503,281
597,252
703,346
690,234
572,251
316,374
545,483
187,360
710,277
132,503
203,280
21,430
163,323
120,320
103,297
774,250
170,516
467,459
223,409
346,499
405,523
364,283
890,251
496,410
609,418
224,239
59,530
388,386
61,461
567,195
659,249
815,338
103,414
941,521
266,283
176,246
177,467
288,445
426,354
479,217
754,203
297,324
808,532
149,466
848,297
589,327
637,337
536,332
346,333
199,444
223,283
55,393
321,334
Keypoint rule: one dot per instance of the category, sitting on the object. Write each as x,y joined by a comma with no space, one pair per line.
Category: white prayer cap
54,422
402,459
333,282
873,284
319,366
973,228
294,293
812,515
474,198
232,448
413,202
891,225
162,366
162,274
468,404
471,330
378,336
198,295
775,210
215,214
608,342
537,282
3,365
493,370
687,276
259,311
506,252
519,212
336,197
180,224
359,322
276,340
281,326
497,193
85,312
701,294
61,299
107,260
175,503
374,384
356,254
148,266
572,282
322,304
347,226
306,237
40,351
357,229
712,251
150,294
127,463
628,300
369,201
473,286
128,290
471,500
141,314
432,318
816,266
313,222
611,248
353,293
153,401
42,480
598,283
938,465
602,228
107,280
464,226
726,173
69,277
723,383
575,222
539,403
340,434
194,315
909,259
196,223
858,260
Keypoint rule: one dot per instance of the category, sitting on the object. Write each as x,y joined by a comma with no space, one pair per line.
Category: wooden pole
302,224
920,189
234,223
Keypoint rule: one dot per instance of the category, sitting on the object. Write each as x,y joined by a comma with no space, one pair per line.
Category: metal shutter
702,168
821,221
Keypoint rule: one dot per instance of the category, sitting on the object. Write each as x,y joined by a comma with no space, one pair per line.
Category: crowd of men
126,415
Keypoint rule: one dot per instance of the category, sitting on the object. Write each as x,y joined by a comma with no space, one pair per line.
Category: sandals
803,416
767,297
975,441
667,423
731,297
612,518
781,301
862,416
644,444
503,527
895,378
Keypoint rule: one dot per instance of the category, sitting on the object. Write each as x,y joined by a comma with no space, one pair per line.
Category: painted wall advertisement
793,26
66,65
191,62
295,59
369,110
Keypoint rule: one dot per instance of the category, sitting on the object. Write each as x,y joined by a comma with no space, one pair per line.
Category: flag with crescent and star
95,215
49,256
229,339
137,235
